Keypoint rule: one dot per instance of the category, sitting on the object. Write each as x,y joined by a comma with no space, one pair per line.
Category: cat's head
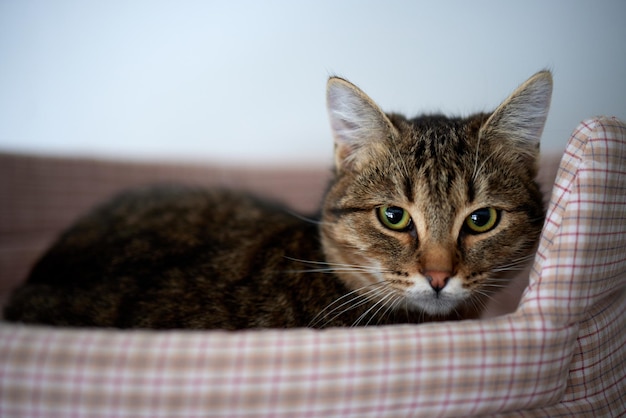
433,211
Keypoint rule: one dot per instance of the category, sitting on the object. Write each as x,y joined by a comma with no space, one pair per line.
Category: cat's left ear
359,126
521,117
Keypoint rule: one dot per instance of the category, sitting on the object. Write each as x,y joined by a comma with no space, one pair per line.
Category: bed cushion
561,353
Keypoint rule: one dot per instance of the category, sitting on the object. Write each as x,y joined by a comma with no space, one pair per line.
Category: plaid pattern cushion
562,353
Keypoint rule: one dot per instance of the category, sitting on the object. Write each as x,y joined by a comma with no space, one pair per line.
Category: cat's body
177,257
424,220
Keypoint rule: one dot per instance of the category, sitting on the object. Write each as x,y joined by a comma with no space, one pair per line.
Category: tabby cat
424,220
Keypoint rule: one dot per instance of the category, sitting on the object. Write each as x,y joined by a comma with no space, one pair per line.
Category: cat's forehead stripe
409,189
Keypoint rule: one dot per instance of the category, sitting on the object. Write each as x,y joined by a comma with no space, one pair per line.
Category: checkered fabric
562,353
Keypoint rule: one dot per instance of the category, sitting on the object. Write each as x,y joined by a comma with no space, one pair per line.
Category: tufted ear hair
521,117
359,126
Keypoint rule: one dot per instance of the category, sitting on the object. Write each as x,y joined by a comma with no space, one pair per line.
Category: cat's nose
437,279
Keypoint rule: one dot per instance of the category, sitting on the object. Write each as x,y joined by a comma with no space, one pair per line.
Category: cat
424,220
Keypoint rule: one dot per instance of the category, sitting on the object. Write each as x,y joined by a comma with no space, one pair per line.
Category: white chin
423,297
433,305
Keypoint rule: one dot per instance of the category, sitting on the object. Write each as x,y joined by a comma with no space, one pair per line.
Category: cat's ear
521,117
359,126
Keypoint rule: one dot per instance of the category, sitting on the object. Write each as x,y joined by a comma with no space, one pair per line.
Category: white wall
245,80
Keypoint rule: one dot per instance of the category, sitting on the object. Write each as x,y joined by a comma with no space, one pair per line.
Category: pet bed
561,352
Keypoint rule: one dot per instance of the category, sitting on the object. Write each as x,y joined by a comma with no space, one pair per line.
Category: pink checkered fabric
562,353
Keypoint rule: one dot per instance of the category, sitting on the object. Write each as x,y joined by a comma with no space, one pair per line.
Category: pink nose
437,279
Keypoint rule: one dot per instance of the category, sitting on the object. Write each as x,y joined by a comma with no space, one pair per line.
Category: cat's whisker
392,307
520,265
383,304
499,286
454,310
523,258
496,286
326,263
479,304
336,267
494,282
508,269
494,295
406,307
482,297
354,295
305,218
367,312
375,295
515,265
360,301
485,293
334,270
355,298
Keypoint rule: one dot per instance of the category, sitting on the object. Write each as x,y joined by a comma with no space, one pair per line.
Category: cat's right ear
358,124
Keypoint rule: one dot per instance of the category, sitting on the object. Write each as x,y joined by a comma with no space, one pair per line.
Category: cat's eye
394,218
482,220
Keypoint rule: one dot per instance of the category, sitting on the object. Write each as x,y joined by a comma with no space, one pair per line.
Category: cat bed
562,352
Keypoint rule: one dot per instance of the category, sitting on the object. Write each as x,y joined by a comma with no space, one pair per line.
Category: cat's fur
181,257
